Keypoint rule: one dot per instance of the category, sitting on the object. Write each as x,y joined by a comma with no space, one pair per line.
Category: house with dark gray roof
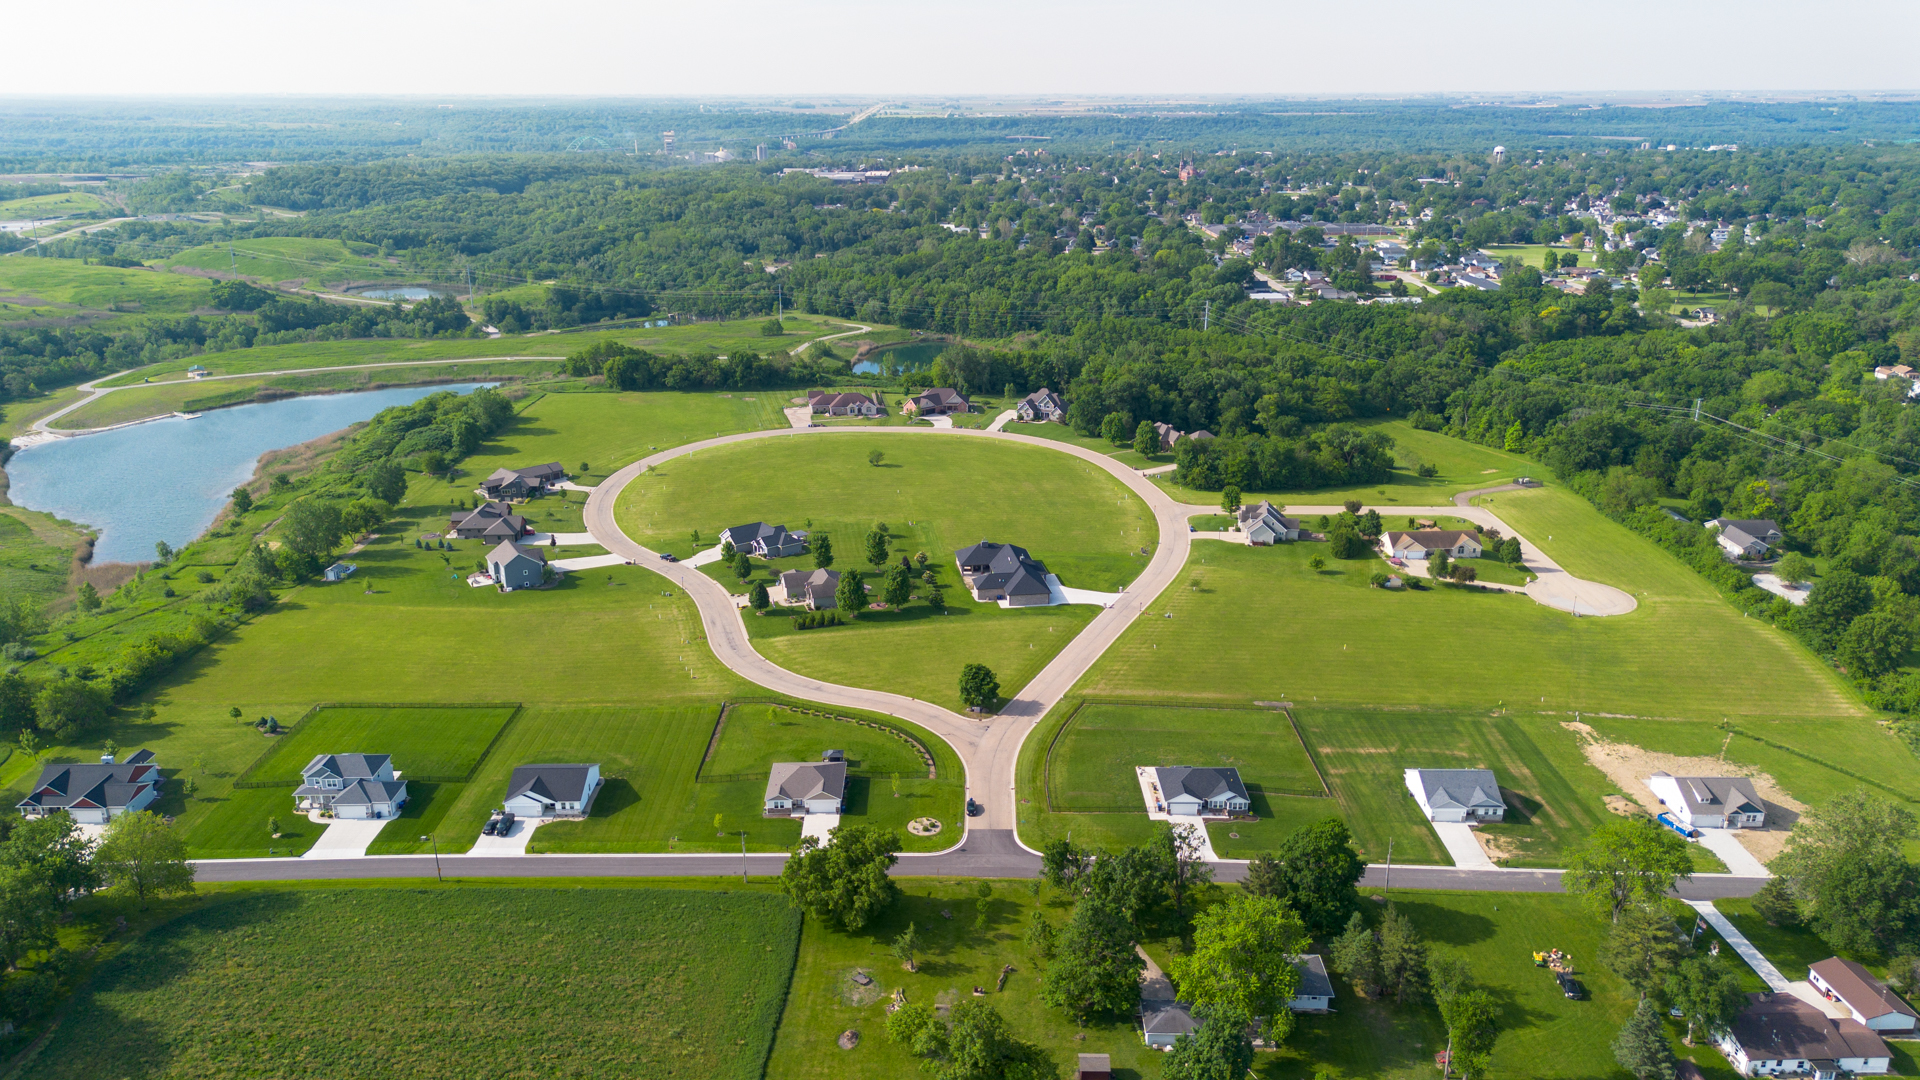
1710,802
514,567
520,483
490,521
1780,1035
940,401
1457,794
1163,1022
806,787
1041,406
1004,572
1187,791
95,794
538,791
1867,999
1315,992
1746,538
764,540
1170,435
812,589
351,785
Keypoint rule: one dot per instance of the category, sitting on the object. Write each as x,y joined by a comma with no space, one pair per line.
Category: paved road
40,431
988,746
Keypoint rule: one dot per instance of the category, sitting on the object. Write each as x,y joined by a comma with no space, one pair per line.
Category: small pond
168,479
402,292
916,357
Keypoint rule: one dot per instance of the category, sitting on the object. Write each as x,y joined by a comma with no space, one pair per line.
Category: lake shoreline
272,394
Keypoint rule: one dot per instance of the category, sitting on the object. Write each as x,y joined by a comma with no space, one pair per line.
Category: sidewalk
1762,966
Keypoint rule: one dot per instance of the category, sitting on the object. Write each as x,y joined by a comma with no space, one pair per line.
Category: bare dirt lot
1629,766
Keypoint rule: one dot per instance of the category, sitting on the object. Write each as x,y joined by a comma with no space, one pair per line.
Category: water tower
1499,154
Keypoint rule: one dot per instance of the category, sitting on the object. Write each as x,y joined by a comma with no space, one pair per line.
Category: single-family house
1042,405
764,540
95,794
1163,1022
1867,998
1457,794
1263,524
338,571
516,567
1780,1035
825,403
1421,544
1884,371
351,785
939,401
490,521
1748,538
196,372
1169,435
1093,1067
1003,572
812,588
1187,791
807,787
520,483
1710,802
541,791
1315,992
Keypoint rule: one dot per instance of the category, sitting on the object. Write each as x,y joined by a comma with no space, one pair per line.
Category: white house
1189,792
1458,543
1746,538
1470,795
1315,993
1867,998
1710,802
1042,405
807,787
351,785
1780,1035
1263,524
538,791
813,588
95,794
1163,1022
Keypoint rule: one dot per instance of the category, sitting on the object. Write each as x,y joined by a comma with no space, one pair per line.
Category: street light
436,857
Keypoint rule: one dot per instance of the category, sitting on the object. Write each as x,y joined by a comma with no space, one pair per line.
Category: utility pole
1206,316
436,858
1388,887
1696,410
233,261
743,856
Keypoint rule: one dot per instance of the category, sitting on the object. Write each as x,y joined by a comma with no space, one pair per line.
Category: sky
906,48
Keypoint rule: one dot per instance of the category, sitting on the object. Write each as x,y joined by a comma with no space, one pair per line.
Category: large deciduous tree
1707,992
979,687
1317,872
1242,962
845,882
850,596
1846,867
1220,1050
140,854
312,527
1626,860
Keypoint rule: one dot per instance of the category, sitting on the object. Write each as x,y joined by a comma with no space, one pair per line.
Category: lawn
428,982
1461,465
57,204
1083,524
425,741
1542,1033
287,258
1533,254
1091,766
35,553
70,284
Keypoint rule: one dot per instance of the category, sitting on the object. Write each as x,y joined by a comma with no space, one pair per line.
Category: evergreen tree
1641,1047
1356,954
850,596
822,546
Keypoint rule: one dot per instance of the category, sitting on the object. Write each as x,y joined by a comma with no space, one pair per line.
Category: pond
916,357
168,480
402,292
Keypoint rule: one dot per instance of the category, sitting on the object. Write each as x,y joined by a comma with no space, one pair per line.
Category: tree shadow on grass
1521,809
1446,926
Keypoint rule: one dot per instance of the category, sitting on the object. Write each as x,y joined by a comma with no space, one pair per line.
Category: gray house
1264,524
812,588
1710,802
1163,1022
1315,993
492,521
520,483
766,541
539,791
351,785
806,787
1746,538
1003,572
516,567
1042,405
95,794
1457,794
1190,792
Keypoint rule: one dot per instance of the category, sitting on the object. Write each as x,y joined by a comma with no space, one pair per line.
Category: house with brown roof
826,403
1421,544
1780,1035
940,401
1866,997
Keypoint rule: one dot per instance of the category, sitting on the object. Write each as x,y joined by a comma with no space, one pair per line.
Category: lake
167,480
402,292
916,357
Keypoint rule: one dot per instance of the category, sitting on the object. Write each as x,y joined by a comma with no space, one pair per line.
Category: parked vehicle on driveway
487,829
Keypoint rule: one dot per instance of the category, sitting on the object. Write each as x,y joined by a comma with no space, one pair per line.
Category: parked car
505,825
974,809
1571,987
669,556
487,829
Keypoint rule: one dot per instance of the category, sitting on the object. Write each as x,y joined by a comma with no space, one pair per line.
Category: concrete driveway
1462,846
1726,844
514,843
345,839
818,825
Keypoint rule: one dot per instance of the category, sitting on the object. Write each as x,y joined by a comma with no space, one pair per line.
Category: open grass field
1542,1033
1091,767
58,204
424,741
36,551
161,399
1533,254
69,287
428,982
1463,466
288,258
1082,523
